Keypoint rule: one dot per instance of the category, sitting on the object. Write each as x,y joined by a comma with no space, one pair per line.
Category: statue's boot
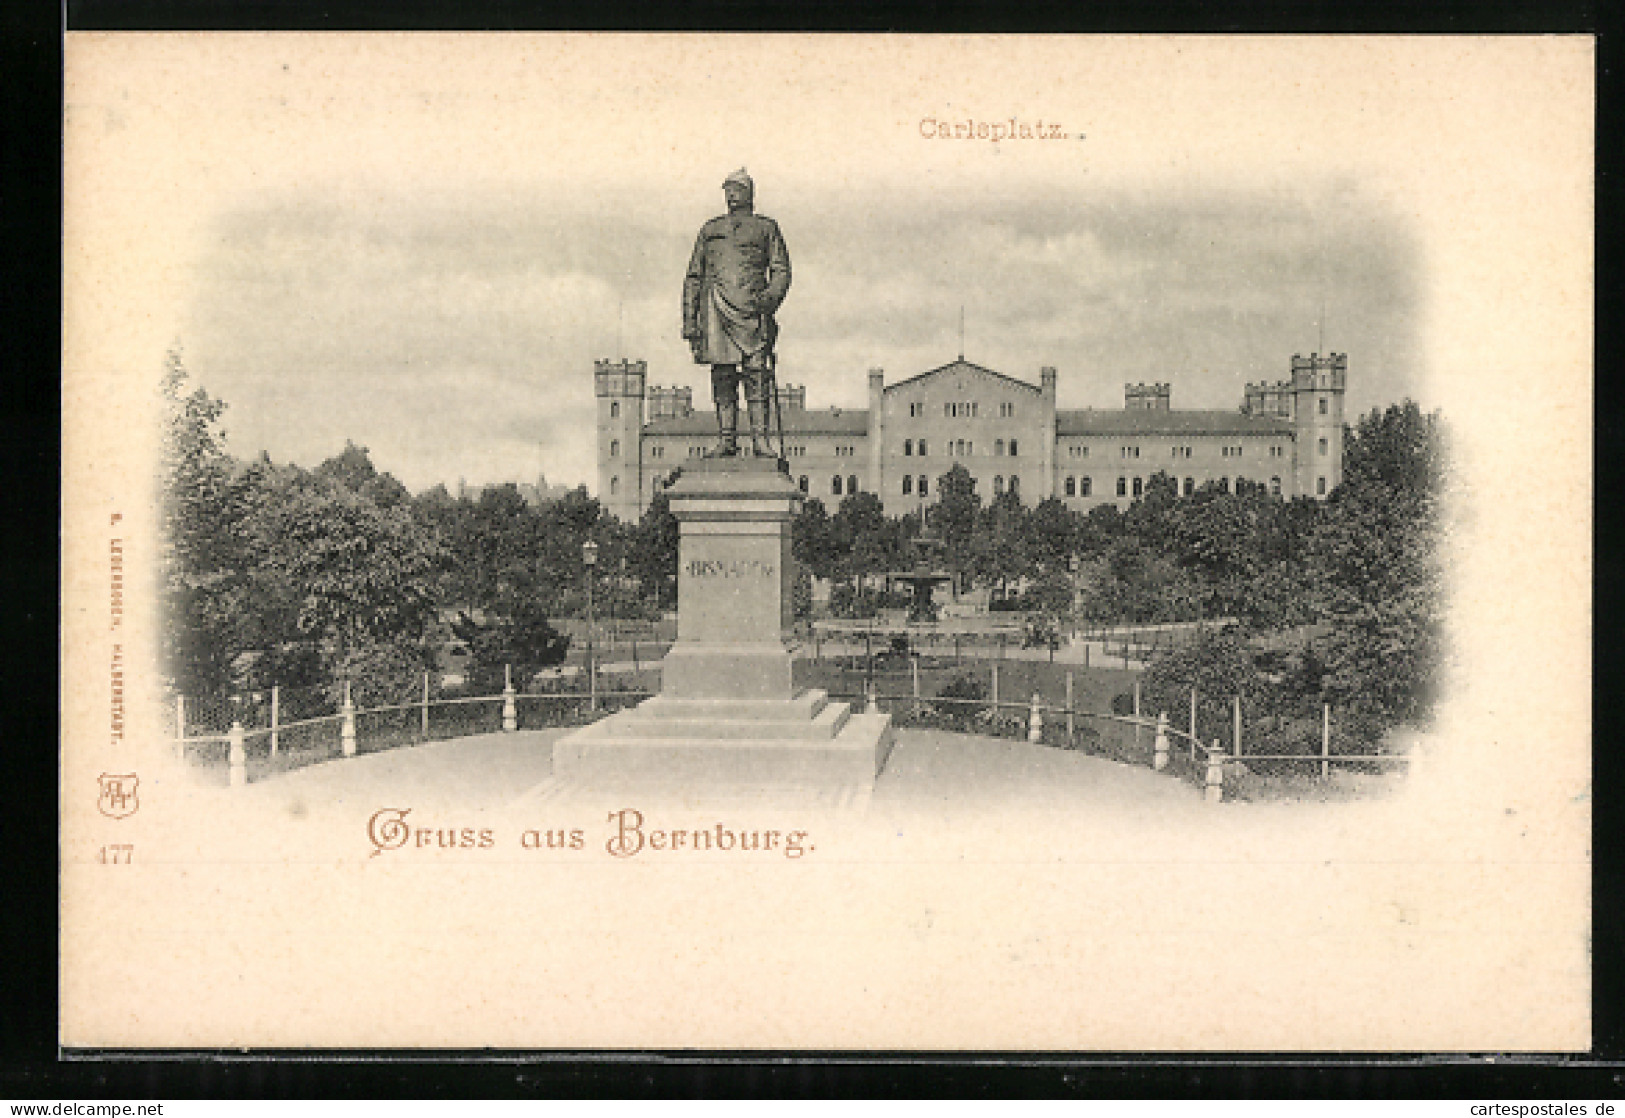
759,446
727,429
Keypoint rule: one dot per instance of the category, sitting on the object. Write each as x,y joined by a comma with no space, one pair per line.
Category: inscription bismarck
736,568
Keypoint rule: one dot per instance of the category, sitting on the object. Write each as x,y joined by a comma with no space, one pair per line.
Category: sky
422,243
456,338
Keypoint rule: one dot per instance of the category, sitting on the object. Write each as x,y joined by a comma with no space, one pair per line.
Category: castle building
1287,435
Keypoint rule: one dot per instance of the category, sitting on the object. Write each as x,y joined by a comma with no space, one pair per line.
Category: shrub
966,687
379,674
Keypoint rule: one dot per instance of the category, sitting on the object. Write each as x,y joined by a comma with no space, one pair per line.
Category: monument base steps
667,742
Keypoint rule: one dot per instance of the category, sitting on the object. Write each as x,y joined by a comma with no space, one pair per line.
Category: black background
31,1066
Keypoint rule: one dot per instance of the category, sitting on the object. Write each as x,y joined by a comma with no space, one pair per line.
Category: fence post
347,724
914,668
1237,722
1136,715
1086,653
425,706
180,727
1071,724
237,757
1159,751
1193,725
275,707
1035,723
510,710
1213,792
993,710
1325,740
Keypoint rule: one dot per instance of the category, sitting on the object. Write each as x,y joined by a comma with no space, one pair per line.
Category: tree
864,540
954,518
203,556
362,574
1219,668
562,528
525,642
654,555
1052,535
1373,557
1003,551
812,540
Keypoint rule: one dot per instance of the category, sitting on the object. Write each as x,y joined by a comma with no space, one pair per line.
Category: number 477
118,854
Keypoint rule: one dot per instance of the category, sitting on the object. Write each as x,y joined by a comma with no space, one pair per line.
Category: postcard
928,543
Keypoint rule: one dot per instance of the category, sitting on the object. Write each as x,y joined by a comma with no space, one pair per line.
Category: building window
1007,411
1130,451
1275,487
1190,486
1320,487
1182,452
916,410
1224,485
998,485
973,409
835,485
908,448
1277,452
1012,448
922,448
908,484
1322,445
615,447
1322,404
803,483
1232,452
657,451
851,483
1139,487
614,486
1071,487
615,409
1015,485
1078,451
1085,487
998,447
925,488
1122,487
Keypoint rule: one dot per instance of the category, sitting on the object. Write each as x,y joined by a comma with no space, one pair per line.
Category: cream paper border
1453,917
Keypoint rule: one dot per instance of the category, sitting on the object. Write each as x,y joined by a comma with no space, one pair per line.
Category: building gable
960,372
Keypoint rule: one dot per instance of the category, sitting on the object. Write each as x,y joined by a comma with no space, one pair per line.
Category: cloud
455,336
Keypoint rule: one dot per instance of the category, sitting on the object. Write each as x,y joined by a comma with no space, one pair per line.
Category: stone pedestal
728,712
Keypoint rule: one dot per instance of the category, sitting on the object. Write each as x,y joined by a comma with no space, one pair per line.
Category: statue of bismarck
737,277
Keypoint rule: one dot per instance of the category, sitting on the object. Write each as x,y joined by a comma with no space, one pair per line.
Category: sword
773,395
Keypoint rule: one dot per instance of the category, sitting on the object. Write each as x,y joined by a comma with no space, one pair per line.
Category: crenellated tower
1147,397
1318,384
619,387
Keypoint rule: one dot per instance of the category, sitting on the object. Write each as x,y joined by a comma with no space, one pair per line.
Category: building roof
1155,422
830,421
963,366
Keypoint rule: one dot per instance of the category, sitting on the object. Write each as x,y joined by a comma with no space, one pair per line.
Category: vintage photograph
620,542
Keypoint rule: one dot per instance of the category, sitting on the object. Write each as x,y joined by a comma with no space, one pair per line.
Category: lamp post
589,559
